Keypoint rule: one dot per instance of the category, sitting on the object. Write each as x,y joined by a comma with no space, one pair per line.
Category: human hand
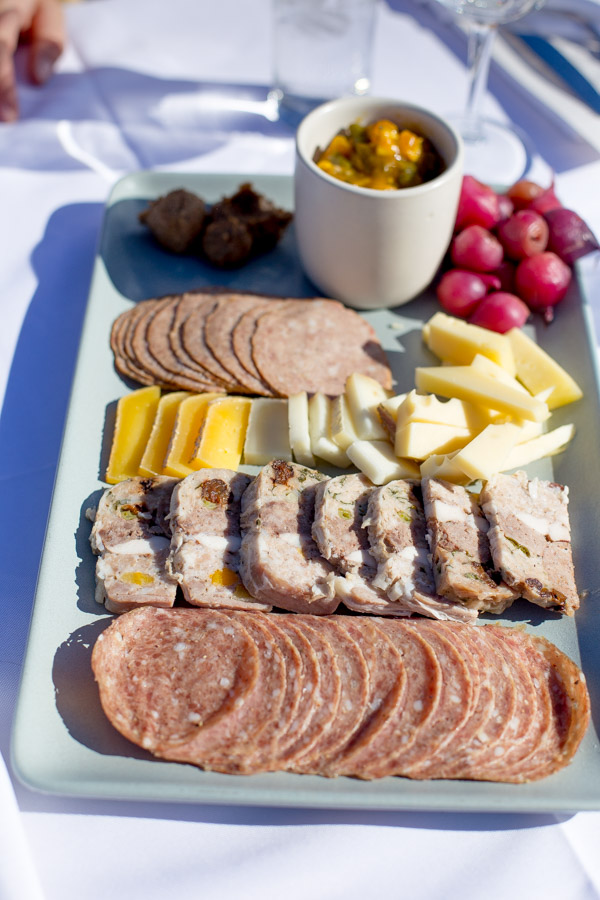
41,23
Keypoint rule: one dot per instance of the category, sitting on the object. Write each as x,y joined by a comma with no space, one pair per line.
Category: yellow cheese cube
538,371
363,395
467,384
445,468
221,440
544,445
343,431
164,421
268,435
418,440
377,460
189,419
321,442
487,453
299,433
458,342
135,416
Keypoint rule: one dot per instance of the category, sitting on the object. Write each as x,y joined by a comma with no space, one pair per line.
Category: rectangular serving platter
62,742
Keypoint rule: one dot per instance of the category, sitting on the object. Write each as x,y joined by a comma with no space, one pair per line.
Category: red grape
478,204
459,292
523,193
476,248
542,280
524,234
505,207
570,238
546,201
500,312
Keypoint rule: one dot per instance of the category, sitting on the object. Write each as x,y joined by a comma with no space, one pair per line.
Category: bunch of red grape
513,254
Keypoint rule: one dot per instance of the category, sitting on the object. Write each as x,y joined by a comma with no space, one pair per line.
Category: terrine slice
530,538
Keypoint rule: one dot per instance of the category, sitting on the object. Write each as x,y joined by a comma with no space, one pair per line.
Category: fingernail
44,63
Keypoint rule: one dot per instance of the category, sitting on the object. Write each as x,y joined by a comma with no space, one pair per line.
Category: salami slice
218,333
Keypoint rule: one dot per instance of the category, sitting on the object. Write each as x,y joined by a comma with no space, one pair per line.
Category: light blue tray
62,743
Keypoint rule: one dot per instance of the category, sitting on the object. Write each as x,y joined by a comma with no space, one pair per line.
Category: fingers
10,27
47,37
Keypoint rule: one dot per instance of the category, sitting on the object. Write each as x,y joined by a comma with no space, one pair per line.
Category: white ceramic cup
371,248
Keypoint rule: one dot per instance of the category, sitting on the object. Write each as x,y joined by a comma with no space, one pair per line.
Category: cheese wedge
299,434
418,440
487,453
538,371
343,431
547,444
456,341
445,468
133,425
268,435
466,383
363,395
489,367
377,460
429,408
189,419
387,411
321,441
220,443
153,460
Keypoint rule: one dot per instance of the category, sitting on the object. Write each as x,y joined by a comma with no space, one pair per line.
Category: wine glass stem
481,39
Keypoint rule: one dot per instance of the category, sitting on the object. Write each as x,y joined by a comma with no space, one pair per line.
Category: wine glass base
500,154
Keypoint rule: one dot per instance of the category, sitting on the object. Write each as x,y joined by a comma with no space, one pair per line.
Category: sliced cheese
222,435
487,453
377,460
133,425
547,444
538,371
319,423
468,384
299,433
445,468
343,431
268,435
418,440
153,460
363,395
456,341
489,367
429,408
189,419
387,411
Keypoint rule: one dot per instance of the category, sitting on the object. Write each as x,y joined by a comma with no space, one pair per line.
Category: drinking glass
494,152
321,50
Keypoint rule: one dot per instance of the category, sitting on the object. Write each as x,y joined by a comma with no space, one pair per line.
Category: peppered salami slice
241,337
419,704
354,687
166,676
194,343
314,345
465,640
327,698
491,720
233,750
388,683
218,333
306,683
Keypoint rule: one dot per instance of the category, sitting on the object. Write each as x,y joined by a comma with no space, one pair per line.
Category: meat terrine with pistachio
397,531
132,538
280,562
530,538
340,507
205,547
460,550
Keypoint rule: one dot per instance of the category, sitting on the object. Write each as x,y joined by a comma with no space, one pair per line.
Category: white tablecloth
182,86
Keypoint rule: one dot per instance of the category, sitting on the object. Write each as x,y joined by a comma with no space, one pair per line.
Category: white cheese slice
377,460
267,436
547,444
343,431
319,423
299,433
363,395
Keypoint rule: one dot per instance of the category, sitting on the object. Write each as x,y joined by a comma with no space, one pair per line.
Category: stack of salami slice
246,343
247,692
